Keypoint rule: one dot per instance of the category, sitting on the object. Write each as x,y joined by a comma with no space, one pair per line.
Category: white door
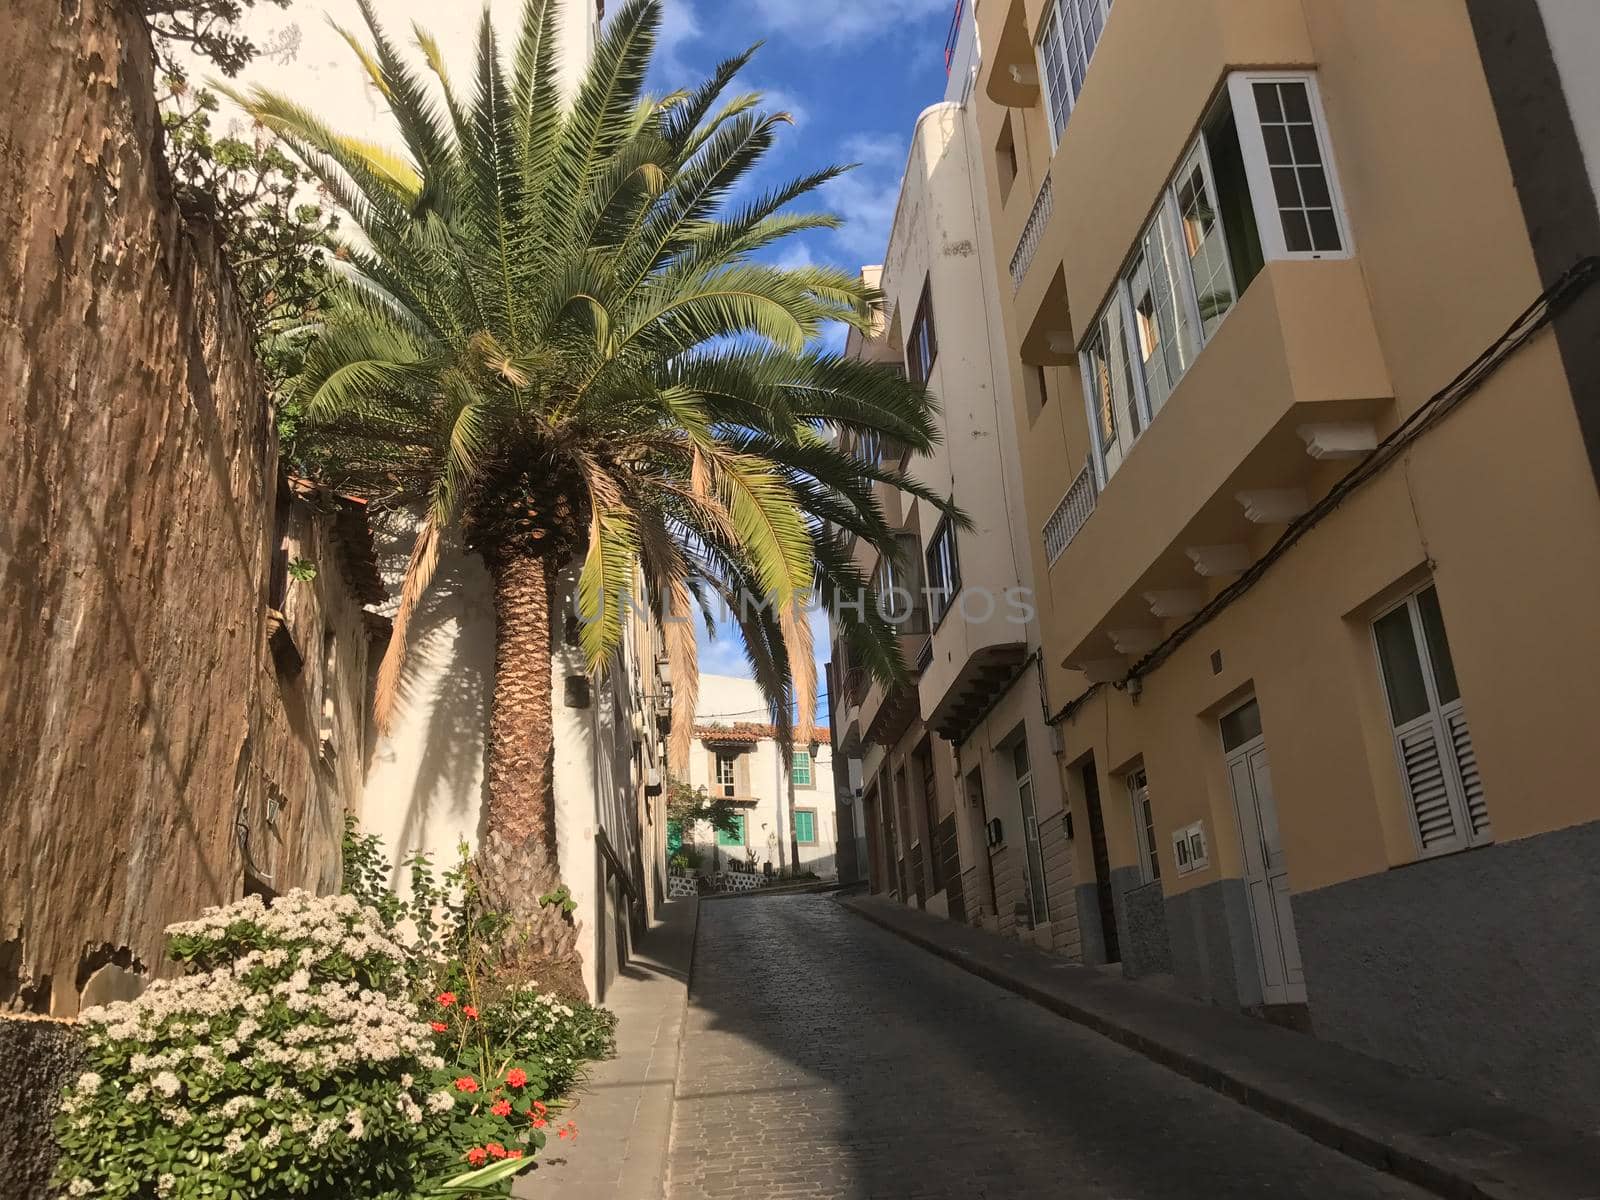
1266,877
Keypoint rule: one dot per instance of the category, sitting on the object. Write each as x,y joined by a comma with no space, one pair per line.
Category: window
1295,160
1254,185
1038,897
736,838
1068,36
923,347
1433,744
800,768
725,774
944,570
805,826
1114,415
1144,826
1005,159
899,588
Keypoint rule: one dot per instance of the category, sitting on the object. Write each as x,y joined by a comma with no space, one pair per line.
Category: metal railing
1070,514
1032,233
954,36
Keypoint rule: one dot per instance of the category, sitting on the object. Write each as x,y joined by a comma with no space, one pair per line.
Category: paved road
824,1057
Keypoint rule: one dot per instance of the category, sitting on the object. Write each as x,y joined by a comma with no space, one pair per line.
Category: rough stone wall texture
141,718
1484,972
1213,944
40,1056
1056,850
1141,924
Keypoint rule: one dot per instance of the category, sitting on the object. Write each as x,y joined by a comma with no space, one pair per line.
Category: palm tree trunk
518,862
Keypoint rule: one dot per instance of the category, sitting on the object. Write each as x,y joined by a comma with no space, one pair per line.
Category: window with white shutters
1432,741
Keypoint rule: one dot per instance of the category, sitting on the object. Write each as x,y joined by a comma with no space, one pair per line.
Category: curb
1440,1177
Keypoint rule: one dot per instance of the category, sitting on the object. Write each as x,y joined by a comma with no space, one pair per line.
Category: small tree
690,806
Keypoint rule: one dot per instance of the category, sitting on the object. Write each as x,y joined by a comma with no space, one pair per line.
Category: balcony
1032,232
1293,382
1125,137
855,691
1010,74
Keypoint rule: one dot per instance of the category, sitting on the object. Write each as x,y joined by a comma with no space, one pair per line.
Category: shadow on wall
427,783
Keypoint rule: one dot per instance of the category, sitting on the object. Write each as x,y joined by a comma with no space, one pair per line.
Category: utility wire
1557,297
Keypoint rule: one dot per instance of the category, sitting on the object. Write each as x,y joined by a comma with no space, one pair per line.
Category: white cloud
834,21
866,197
680,25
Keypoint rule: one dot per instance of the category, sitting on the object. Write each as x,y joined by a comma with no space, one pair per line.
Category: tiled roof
748,733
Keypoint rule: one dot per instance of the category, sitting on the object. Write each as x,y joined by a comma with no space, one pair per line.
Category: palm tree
555,335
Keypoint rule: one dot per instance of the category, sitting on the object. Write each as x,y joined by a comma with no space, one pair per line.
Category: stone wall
41,1055
1477,967
145,731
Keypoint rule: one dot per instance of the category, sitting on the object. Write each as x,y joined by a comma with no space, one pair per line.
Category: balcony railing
855,685
954,36
1032,232
1070,515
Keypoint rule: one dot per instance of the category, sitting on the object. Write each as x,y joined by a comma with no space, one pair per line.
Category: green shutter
732,839
805,826
802,768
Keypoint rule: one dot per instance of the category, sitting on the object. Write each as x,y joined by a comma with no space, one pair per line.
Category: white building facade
737,754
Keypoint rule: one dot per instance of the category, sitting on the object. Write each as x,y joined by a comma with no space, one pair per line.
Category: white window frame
1439,716
810,779
1263,197
1269,224
1144,834
1053,27
729,785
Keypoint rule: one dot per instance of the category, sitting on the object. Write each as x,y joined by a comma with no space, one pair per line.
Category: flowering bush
290,1062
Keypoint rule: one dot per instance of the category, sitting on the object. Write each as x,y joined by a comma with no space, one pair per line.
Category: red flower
477,1156
469,1012
501,1108
539,1108
513,1153
496,1149
569,1130
466,1084
539,1122
445,999
440,1027
516,1077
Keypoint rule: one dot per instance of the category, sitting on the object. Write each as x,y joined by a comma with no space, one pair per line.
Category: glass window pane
1203,239
1324,229
1286,187
1303,140
1019,759
1444,667
801,766
1314,187
1402,667
1241,725
1296,102
1267,102
1277,139
1296,233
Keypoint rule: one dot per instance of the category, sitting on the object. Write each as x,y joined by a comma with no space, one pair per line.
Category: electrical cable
1558,296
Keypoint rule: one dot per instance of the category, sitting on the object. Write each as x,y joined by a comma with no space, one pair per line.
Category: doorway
1266,875
1102,863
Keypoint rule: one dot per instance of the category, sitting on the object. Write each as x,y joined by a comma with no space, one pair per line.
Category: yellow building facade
1305,392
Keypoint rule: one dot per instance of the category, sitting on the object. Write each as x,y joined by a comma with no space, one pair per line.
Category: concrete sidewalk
624,1109
1433,1134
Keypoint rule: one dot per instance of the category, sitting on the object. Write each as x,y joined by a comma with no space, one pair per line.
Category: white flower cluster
329,923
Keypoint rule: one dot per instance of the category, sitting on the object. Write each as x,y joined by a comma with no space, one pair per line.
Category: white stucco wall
729,700
304,56
425,777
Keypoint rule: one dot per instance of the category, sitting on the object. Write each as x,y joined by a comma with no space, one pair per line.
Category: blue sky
854,74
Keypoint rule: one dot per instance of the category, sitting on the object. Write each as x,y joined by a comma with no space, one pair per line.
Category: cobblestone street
824,1057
